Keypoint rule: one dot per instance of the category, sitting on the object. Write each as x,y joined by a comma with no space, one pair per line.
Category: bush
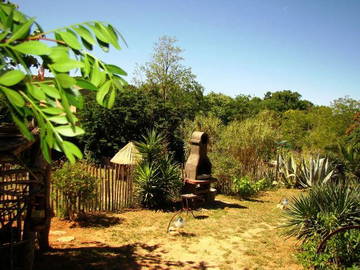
350,156
245,187
75,184
324,209
224,169
342,252
158,177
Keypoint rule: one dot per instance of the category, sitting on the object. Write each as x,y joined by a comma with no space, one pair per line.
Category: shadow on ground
221,205
96,220
111,258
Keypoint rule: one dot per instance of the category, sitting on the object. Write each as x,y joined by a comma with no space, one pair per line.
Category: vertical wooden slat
126,185
112,188
121,173
117,188
105,189
99,171
131,174
108,187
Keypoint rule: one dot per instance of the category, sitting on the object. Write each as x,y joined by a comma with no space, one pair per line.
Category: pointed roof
128,155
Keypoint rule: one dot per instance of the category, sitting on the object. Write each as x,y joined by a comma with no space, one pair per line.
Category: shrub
75,184
224,169
342,252
350,156
323,209
158,177
313,216
245,187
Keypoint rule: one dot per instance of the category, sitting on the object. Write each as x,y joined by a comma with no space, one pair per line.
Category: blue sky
234,46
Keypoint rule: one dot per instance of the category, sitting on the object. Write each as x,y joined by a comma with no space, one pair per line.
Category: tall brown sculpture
198,168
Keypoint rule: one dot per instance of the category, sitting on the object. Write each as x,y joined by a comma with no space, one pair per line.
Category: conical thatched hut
128,155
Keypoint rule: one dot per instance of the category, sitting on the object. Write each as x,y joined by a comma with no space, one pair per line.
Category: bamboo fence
14,192
114,190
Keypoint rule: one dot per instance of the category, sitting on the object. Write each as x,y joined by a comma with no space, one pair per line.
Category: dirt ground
230,234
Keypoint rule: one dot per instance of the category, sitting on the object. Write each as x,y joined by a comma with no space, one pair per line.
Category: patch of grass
235,235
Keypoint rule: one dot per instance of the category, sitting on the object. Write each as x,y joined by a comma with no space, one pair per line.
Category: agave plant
324,209
287,169
315,171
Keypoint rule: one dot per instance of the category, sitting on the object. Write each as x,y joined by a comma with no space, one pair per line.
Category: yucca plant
315,171
146,177
324,209
152,145
158,177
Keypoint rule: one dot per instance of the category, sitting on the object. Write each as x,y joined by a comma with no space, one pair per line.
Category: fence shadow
135,256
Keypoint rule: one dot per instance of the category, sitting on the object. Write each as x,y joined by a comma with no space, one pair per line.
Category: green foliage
165,75
242,107
75,184
246,187
224,168
157,177
353,131
342,252
152,147
324,209
251,142
285,100
317,130
315,171
220,106
304,171
134,112
24,44
287,170
350,155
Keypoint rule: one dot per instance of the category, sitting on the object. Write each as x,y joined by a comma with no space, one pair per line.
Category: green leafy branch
52,102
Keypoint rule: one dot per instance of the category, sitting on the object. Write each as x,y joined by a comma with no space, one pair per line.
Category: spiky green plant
152,145
288,169
158,177
322,210
315,171
146,177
